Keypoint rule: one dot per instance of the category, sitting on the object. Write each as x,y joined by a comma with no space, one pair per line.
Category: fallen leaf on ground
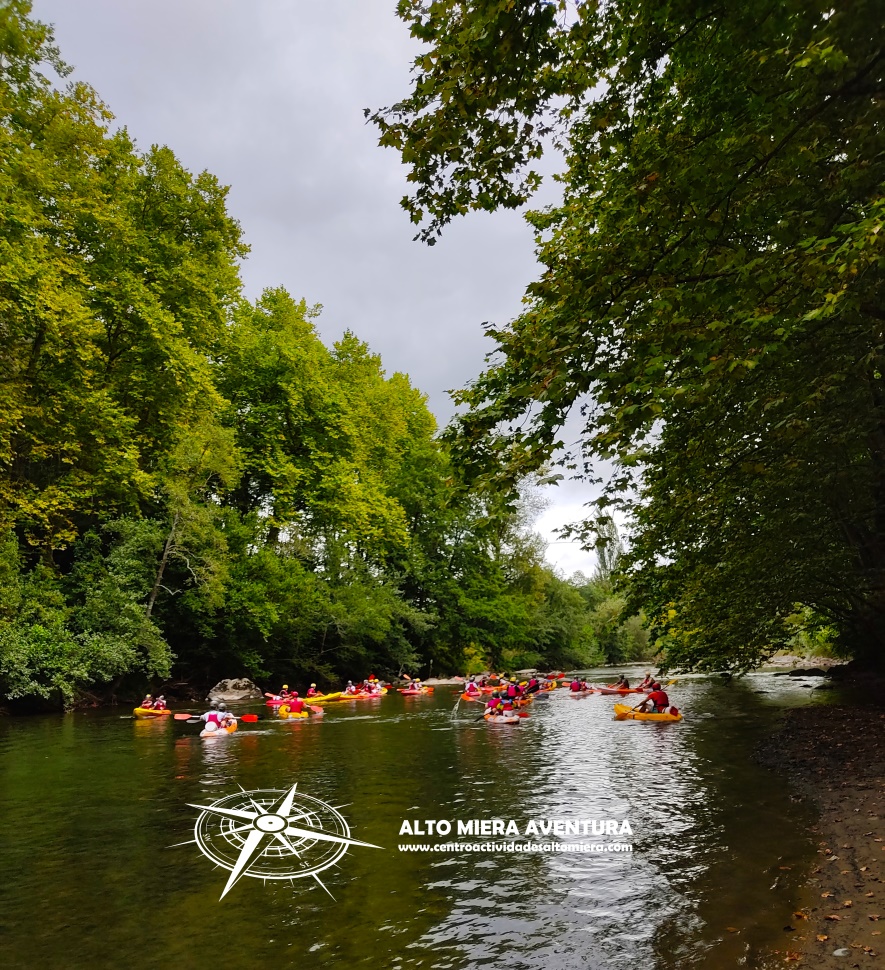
833,917
874,917
847,904
822,938
732,929
798,915
825,895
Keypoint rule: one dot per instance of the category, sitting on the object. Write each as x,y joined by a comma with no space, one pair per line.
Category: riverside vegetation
192,484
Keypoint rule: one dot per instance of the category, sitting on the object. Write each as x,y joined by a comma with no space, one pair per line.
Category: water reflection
90,804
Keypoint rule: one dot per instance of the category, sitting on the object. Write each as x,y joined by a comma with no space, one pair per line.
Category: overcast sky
268,95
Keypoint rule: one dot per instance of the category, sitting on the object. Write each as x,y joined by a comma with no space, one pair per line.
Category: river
97,869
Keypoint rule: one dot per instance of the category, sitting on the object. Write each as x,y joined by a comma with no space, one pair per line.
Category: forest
192,485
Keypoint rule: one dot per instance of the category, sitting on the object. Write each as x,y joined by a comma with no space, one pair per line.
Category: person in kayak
621,683
225,718
471,687
576,685
312,691
211,716
294,705
647,682
350,689
513,690
160,703
657,701
148,703
493,704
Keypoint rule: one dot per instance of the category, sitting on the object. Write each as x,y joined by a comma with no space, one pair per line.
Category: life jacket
659,699
471,688
512,691
296,706
146,705
575,685
160,705
213,718
313,692
534,682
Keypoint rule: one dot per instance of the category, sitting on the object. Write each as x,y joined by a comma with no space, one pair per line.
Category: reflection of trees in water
746,833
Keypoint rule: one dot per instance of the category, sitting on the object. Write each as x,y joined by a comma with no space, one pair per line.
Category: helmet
294,693
222,706
350,682
148,695
285,686
213,705
313,685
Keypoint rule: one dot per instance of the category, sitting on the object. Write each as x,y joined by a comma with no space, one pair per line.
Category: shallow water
91,804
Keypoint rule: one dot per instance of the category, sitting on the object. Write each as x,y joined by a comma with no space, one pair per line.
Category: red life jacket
313,692
296,705
575,685
659,699
213,718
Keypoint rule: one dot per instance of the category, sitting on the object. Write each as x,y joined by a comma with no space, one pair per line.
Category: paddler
312,691
657,701
225,718
211,716
471,687
160,703
576,686
295,705
350,689
621,683
148,703
513,690
493,704
647,682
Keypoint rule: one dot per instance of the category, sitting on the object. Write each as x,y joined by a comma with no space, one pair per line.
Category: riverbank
834,757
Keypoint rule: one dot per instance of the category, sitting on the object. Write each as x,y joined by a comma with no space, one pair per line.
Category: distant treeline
193,485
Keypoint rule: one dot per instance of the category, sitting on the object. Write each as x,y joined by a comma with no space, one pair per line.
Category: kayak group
501,696
656,702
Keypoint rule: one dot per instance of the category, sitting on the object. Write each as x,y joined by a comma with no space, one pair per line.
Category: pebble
843,951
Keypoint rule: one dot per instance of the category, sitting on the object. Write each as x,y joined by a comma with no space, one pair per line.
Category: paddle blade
316,709
249,717
182,717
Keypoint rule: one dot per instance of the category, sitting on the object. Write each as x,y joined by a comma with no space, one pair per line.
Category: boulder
235,691
808,672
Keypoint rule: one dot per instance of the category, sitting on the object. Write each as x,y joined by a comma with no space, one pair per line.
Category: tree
712,291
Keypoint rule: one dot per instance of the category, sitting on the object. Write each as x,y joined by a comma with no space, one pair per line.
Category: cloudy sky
269,96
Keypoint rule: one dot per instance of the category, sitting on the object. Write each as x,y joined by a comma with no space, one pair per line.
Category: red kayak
619,690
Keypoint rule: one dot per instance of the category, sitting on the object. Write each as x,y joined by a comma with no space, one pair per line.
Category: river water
94,806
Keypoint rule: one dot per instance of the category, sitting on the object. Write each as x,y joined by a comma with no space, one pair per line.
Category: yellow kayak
149,712
286,711
623,712
322,698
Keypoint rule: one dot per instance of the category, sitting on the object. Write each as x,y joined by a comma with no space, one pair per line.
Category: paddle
191,718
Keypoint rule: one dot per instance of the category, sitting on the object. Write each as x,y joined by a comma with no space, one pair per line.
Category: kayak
502,719
149,712
360,697
322,698
472,697
624,712
286,711
275,702
413,693
219,732
618,690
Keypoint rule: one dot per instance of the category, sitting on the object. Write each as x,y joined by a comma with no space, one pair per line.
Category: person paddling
294,705
471,687
211,717
657,701
148,703
160,703
621,684
576,686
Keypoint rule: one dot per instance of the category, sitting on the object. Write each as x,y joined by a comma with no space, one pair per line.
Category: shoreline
833,758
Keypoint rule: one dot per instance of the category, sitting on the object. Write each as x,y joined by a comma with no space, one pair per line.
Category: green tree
711,293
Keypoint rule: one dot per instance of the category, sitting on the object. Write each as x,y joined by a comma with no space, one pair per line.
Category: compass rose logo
272,834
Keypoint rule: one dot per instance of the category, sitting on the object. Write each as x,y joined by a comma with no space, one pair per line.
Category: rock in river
234,691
